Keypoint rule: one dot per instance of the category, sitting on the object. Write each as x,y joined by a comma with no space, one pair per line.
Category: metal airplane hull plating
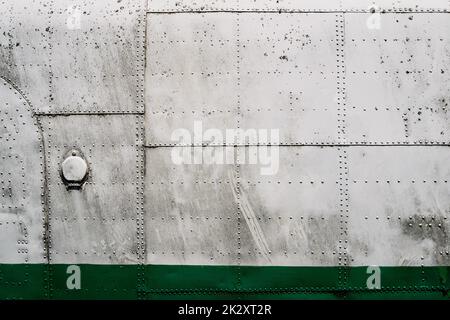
352,195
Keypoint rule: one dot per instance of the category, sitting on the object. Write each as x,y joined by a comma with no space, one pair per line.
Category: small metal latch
74,169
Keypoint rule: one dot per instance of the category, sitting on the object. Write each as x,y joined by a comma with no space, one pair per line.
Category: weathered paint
364,136
220,282
21,180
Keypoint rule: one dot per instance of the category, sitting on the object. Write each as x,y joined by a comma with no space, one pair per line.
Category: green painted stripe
42,281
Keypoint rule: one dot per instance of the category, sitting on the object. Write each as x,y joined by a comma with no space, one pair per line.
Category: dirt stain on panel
434,228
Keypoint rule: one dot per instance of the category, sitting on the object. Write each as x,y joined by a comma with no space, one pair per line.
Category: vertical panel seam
140,152
342,153
238,182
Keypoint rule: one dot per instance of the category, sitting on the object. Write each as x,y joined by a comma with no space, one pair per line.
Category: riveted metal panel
289,5
5,42
191,73
189,5
208,213
399,205
15,240
223,70
190,211
316,70
21,180
290,217
95,58
283,83
96,224
398,79
299,6
25,55
395,5
241,5
76,56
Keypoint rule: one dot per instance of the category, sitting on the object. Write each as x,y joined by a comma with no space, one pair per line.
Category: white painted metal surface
21,180
358,90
